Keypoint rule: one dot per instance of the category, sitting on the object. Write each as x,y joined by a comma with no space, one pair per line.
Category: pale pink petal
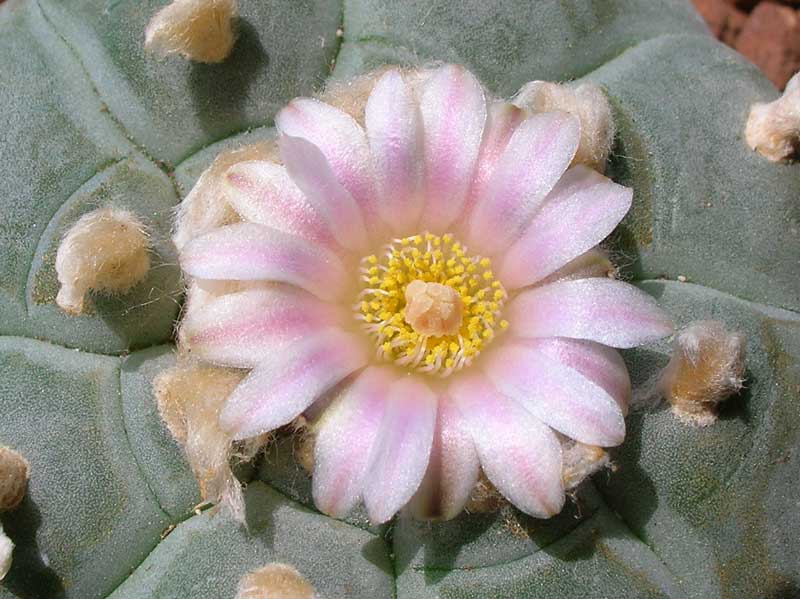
603,310
262,192
310,171
248,252
400,455
278,389
242,329
536,156
452,470
594,263
394,130
453,110
519,454
346,433
341,139
581,210
557,394
599,363
502,120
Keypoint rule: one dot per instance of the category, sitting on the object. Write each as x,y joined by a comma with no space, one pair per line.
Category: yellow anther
431,308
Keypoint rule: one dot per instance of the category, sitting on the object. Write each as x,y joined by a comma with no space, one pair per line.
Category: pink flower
426,278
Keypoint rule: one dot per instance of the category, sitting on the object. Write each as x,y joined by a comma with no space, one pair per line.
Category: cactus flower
422,284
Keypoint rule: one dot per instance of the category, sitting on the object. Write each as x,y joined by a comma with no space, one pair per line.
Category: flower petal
452,470
536,156
394,130
453,110
342,141
242,329
347,432
599,363
310,171
581,210
594,263
502,120
519,454
262,192
400,456
557,394
247,252
609,312
278,389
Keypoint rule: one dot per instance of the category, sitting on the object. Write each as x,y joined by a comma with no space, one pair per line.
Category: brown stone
770,38
724,20
748,5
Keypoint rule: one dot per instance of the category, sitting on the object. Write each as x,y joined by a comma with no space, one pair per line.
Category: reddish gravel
765,31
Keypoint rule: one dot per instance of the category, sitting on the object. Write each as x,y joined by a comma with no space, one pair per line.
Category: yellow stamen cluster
431,259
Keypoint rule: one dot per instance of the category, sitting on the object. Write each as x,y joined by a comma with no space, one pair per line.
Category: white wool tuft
278,581
106,251
14,474
200,30
587,102
205,207
580,462
707,367
773,130
190,397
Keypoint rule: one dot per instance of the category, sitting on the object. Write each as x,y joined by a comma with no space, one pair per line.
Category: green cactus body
87,120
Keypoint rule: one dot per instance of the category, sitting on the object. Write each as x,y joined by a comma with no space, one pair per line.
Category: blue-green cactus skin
87,119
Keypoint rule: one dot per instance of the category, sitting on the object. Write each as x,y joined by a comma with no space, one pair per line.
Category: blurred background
767,32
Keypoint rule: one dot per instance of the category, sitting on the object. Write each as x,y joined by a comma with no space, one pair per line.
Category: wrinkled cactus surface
87,120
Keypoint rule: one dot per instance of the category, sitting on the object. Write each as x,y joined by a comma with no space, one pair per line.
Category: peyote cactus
90,121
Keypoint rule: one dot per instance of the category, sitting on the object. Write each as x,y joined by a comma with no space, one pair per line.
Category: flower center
428,304
433,308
